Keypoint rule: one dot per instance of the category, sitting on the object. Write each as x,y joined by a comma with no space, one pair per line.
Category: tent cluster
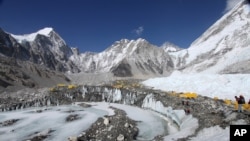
119,84
188,95
60,86
228,102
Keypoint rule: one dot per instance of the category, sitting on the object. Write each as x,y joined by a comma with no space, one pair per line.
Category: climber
240,100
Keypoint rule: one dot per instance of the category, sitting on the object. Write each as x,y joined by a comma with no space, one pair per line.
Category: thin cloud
138,31
230,4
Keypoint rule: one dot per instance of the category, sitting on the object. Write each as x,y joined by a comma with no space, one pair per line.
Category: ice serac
151,103
108,94
222,48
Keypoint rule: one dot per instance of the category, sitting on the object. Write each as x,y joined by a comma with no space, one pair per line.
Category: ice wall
108,94
151,103
40,102
65,96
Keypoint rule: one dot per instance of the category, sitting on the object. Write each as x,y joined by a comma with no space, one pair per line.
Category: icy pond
32,121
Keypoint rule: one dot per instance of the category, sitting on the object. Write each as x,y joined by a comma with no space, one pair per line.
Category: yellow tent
71,86
189,95
61,85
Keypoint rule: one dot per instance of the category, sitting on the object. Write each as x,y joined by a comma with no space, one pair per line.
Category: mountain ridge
224,44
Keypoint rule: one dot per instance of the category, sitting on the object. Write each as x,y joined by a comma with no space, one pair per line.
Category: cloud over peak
138,31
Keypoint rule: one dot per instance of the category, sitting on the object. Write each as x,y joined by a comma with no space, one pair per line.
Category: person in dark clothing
241,101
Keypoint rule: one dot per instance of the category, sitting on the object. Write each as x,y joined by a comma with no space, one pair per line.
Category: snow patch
31,37
215,133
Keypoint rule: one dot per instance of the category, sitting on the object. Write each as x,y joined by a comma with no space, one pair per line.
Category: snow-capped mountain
223,48
126,58
170,47
47,48
28,61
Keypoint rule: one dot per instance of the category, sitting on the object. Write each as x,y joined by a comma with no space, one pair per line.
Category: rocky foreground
209,112
117,127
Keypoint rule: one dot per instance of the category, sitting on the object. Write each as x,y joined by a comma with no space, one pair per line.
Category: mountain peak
140,40
122,41
170,47
31,37
45,31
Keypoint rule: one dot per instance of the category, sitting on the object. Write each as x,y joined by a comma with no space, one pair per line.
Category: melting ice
53,119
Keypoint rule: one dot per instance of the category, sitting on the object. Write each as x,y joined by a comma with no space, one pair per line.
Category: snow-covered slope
209,66
223,86
223,48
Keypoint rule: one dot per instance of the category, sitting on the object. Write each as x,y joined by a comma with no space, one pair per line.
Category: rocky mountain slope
47,48
16,74
20,67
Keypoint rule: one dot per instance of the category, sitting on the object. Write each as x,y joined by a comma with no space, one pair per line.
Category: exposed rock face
47,49
122,70
11,48
28,64
50,51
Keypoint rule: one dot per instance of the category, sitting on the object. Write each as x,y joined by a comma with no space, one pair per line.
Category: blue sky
94,25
